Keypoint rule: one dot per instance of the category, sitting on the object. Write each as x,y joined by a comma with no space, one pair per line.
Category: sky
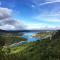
29,14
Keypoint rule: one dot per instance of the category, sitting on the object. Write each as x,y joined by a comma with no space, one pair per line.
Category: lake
29,37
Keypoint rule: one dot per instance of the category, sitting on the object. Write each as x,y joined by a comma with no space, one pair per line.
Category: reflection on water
29,36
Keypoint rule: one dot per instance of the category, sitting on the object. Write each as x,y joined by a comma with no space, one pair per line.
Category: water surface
29,37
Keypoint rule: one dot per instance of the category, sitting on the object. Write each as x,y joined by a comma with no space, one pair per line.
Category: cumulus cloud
7,22
5,13
7,27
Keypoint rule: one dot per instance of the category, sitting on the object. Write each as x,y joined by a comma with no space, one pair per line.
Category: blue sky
29,14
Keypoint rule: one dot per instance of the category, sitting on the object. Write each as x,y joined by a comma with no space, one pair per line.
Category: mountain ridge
24,30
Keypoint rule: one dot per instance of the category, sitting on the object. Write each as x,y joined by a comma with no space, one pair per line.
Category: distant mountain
15,32
24,30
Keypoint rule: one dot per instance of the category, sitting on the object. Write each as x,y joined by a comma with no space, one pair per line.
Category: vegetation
44,49
43,34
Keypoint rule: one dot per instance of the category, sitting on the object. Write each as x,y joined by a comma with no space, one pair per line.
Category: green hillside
45,49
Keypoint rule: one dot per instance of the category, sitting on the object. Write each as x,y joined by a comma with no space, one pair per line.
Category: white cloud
38,3
42,26
7,27
5,13
51,20
48,17
7,22
48,3
10,23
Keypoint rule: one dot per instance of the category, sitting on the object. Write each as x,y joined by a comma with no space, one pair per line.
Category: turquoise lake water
29,37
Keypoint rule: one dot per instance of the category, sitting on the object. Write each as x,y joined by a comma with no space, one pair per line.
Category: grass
18,49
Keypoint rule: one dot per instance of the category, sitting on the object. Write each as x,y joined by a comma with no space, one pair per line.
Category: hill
44,49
